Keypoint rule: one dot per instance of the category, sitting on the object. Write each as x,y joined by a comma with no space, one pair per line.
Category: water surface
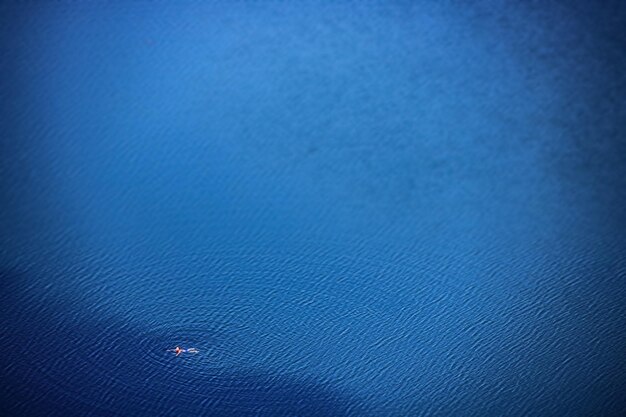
349,209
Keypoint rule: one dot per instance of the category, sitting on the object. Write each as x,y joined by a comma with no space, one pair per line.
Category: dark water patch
59,362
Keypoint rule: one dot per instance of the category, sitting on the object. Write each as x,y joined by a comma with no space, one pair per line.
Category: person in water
178,350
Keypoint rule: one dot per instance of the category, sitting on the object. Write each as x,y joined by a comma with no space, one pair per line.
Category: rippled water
348,209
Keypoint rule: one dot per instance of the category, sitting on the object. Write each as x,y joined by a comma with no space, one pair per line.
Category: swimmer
178,350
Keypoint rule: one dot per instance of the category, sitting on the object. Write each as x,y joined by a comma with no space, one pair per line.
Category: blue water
349,208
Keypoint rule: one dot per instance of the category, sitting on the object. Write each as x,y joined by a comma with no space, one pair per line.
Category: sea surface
379,208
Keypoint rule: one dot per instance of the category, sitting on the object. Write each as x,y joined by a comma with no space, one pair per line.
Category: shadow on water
63,360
